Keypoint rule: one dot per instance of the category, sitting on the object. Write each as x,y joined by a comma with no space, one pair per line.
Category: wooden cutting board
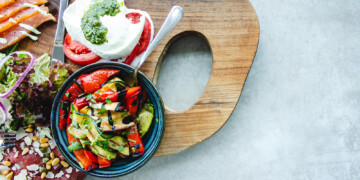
231,28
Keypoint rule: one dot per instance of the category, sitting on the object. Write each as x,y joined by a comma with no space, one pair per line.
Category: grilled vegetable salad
104,118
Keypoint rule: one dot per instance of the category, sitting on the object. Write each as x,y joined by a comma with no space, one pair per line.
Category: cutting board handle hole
183,70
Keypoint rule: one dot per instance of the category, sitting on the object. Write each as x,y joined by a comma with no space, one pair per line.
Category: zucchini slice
120,144
88,122
103,152
78,133
145,120
117,83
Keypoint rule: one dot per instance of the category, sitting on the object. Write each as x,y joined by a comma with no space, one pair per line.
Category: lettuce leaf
60,72
32,100
42,71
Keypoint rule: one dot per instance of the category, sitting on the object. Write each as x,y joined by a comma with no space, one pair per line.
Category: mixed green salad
27,88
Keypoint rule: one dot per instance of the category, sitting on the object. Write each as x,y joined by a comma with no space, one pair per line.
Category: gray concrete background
298,116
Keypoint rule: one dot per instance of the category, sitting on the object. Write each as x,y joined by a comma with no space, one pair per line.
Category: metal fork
7,140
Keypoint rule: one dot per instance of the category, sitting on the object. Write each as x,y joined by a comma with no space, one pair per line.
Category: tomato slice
78,53
144,39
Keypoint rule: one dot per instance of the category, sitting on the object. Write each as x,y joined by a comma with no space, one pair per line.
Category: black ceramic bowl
151,140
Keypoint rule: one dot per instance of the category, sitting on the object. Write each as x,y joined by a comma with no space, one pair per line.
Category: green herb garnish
93,105
102,111
121,149
108,100
88,97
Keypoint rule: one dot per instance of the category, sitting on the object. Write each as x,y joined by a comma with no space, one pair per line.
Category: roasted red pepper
103,162
114,97
101,97
132,100
73,92
88,83
91,156
80,154
93,81
135,142
133,92
62,120
81,102
69,120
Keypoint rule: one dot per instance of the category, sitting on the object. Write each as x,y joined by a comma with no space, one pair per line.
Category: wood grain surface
231,28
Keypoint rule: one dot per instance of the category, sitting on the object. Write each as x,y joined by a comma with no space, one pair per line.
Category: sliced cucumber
103,152
78,133
145,118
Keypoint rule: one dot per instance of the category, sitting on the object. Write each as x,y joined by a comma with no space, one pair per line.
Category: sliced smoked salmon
15,33
10,10
20,17
4,3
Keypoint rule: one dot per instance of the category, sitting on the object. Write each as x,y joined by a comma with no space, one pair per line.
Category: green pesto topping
93,29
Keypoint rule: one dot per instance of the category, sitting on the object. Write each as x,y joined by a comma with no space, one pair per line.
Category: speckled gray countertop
299,113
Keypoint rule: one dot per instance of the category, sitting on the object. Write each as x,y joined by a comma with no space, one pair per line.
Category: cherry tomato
78,53
144,39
